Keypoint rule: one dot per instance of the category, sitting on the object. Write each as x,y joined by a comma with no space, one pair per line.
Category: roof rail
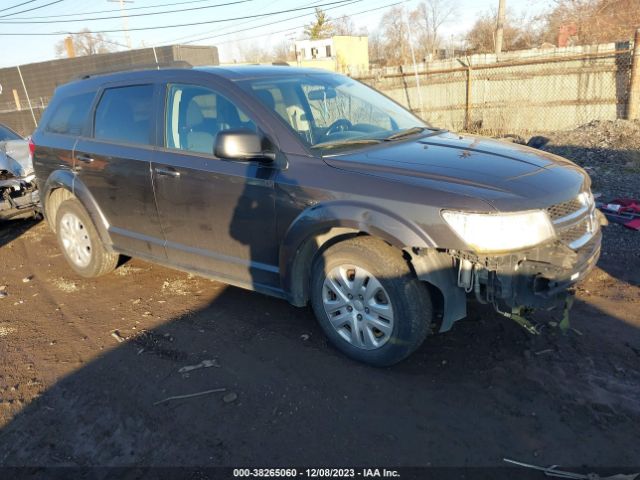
281,63
135,68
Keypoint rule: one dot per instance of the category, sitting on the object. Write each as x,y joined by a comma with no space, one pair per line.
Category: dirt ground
72,393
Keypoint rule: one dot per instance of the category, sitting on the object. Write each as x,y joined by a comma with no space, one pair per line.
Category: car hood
506,175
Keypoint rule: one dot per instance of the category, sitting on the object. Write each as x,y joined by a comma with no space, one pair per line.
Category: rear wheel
368,302
80,242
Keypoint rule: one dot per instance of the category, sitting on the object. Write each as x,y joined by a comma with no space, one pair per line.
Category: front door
217,215
115,165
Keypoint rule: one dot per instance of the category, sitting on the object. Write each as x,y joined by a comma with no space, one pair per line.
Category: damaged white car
18,193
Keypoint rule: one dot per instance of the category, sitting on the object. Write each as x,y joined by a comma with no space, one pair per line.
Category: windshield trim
332,152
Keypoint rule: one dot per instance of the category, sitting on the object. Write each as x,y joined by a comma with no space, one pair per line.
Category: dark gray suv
315,188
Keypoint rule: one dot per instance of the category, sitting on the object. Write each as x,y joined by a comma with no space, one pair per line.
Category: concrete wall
352,54
522,93
349,54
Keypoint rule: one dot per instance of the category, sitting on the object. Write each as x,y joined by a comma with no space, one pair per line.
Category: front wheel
368,302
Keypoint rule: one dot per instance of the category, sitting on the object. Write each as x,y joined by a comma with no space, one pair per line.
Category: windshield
332,111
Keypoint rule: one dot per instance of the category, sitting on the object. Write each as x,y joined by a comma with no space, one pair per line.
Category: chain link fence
526,92
521,96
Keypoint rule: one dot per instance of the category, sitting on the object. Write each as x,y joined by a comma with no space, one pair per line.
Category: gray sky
266,31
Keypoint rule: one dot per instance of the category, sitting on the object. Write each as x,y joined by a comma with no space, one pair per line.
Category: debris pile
610,152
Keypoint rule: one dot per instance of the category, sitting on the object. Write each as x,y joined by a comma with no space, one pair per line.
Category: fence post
35,122
633,105
467,105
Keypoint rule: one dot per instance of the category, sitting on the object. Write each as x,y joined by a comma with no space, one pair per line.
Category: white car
18,193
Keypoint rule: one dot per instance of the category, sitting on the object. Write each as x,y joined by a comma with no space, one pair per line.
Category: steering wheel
340,125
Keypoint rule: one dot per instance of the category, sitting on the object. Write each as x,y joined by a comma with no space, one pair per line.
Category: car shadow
482,392
13,229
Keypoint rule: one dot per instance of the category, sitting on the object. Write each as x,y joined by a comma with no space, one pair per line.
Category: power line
160,27
290,28
311,4
268,24
32,8
171,4
260,10
18,5
11,22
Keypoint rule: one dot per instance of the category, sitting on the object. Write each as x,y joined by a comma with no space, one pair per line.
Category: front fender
320,223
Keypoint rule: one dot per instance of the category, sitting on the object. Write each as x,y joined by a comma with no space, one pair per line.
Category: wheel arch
323,225
62,185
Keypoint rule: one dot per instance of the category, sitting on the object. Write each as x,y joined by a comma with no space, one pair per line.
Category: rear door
218,216
114,162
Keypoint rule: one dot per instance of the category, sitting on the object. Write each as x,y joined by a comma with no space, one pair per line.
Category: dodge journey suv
312,187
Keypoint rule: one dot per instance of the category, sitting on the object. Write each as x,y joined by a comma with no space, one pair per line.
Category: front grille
561,210
570,234
575,221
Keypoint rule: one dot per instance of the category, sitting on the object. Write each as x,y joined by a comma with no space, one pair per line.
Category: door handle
168,172
85,158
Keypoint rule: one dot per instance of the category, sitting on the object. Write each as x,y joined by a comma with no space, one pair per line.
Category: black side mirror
241,145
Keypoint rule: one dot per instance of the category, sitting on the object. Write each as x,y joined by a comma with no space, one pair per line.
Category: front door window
195,116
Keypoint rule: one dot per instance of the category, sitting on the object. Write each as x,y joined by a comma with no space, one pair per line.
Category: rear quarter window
69,117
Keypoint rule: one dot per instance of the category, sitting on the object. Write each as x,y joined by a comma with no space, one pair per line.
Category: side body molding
323,222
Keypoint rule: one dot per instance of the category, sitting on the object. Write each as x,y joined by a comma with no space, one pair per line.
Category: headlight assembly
500,232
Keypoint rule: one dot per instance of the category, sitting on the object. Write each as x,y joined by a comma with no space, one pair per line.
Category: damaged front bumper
540,278
536,278
18,191
19,198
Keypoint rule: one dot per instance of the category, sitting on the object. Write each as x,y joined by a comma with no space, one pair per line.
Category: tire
80,242
392,317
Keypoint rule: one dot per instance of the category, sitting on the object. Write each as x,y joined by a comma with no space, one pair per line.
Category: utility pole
125,19
68,44
415,65
633,106
500,26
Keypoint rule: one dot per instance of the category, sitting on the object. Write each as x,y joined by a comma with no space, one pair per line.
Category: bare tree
344,26
86,43
395,45
252,52
283,52
376,54
321,27
593,21
431,15
519,32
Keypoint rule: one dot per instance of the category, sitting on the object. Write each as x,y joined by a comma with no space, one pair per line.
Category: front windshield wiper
353,141
413,131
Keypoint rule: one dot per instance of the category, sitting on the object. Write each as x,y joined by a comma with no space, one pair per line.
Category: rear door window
124,115
70,115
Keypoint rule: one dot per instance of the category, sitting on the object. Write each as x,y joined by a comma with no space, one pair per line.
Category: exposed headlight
500,232
586,198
